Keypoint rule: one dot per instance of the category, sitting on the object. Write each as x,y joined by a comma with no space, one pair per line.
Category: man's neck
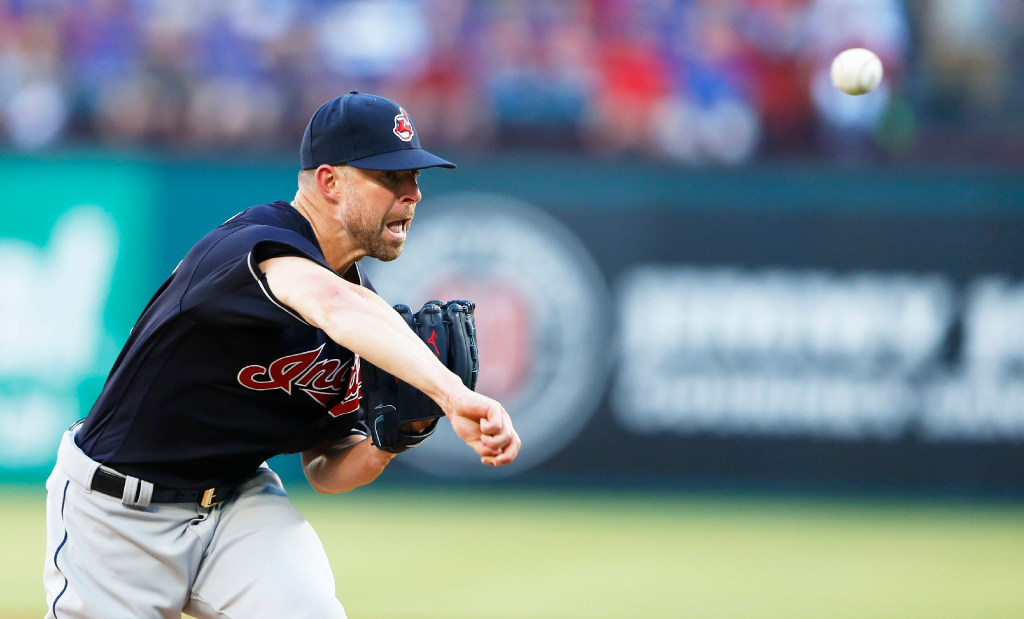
332,246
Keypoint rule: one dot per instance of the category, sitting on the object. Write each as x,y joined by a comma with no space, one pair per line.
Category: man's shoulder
274,214
257,233
274,221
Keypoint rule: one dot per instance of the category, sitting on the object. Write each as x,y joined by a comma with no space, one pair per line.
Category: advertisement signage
73,265
817,344
637,323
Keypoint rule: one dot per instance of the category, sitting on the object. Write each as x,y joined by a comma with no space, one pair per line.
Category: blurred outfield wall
762,326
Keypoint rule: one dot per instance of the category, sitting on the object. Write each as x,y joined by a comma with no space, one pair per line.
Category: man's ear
329,180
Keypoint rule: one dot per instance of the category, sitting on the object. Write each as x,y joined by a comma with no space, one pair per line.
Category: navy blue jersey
218,375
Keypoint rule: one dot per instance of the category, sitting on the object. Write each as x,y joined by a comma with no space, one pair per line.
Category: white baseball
856,71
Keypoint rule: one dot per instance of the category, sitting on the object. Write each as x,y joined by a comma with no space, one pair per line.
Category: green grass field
561,554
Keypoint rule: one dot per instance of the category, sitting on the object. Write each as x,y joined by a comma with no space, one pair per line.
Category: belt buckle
208,498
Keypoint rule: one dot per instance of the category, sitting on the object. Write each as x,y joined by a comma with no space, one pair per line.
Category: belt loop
145,494
131,485
137,493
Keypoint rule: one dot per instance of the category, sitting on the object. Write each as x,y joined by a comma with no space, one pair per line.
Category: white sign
818,354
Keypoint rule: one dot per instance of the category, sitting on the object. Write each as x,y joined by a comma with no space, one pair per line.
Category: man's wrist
451,389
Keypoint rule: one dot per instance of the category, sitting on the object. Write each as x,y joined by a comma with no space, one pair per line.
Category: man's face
381,205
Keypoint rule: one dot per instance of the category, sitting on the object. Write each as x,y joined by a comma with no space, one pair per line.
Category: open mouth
399,228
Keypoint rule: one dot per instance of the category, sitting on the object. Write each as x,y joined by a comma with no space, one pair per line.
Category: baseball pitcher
266,339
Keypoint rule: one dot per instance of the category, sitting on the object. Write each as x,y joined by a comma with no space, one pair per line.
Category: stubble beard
372,236
385,252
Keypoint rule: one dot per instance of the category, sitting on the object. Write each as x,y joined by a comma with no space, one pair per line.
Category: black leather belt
112,484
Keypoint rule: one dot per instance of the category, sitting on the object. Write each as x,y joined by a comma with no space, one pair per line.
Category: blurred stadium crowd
693,81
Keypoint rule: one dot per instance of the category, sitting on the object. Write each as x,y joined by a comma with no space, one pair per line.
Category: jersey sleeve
228,287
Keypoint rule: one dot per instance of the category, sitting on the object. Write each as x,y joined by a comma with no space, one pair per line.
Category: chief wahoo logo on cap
403,126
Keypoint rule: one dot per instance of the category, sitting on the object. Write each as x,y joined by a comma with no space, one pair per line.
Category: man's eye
395,177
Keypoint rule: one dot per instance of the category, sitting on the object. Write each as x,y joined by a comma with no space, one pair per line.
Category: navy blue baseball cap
364,131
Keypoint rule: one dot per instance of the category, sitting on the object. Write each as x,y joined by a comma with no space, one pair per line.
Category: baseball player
266,339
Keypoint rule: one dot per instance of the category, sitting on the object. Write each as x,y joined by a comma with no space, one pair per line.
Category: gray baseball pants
254,555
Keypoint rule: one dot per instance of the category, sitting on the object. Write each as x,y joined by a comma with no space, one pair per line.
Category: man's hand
485,426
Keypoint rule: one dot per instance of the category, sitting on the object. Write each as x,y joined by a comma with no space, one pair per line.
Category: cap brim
404,159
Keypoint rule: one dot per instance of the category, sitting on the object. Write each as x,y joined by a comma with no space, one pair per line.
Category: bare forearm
362,322
332,470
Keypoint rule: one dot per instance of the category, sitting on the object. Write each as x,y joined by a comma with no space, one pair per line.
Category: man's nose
411,192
